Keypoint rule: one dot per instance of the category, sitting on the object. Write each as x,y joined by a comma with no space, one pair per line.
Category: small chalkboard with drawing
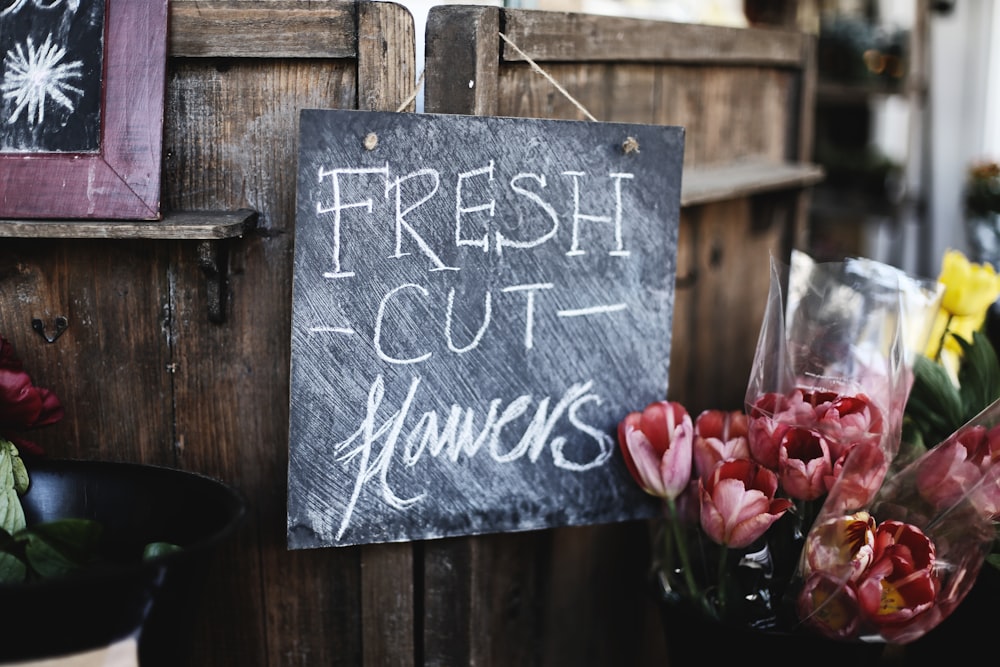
477,302
52,72
81,108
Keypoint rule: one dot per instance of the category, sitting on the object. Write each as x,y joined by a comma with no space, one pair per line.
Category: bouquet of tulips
793,514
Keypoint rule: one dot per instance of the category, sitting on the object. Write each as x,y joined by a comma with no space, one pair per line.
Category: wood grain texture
176,225
461,60
269,29
232,143
386,79
386,57
556,36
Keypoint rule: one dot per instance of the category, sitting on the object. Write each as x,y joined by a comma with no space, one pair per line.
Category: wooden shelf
704,185
177,225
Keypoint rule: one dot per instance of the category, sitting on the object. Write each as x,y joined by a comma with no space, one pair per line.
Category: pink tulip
847,421
719,435
770,416
966,463
738,503
657,445
857,476
804,463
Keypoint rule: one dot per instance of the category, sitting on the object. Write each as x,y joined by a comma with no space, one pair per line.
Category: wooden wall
177,350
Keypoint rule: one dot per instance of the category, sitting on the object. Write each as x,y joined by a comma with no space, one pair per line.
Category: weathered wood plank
175,225
232,143
461,60
703,185
386,79
110,368
272,29
386,56
557,36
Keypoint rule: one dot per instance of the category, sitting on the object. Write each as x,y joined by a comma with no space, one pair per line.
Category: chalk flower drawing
32,76
18,5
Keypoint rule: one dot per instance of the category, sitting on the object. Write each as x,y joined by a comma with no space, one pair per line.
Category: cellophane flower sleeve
831,370
895,568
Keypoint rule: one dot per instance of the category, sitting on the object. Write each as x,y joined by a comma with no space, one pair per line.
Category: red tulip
738,503
804,463
719,435
657,445
900,584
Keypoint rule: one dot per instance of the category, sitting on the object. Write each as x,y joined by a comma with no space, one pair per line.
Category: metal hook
61,324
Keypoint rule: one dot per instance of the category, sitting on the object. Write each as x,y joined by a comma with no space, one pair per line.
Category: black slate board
51,75
439,286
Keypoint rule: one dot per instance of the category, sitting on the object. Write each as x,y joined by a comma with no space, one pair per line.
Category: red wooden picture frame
121,180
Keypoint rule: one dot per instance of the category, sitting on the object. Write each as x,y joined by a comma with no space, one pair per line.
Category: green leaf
934,404
77,537
157,549
17,468
11,513
56,548
46,560
12,569
978,375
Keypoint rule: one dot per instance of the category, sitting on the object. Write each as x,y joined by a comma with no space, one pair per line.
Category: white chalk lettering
380,318
401,213
487,313
368,435
593,310
502,240
460,436
579,217
339,206
605,443
529,310
461,210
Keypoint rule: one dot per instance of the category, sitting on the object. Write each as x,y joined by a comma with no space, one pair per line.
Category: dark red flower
901,583
23,406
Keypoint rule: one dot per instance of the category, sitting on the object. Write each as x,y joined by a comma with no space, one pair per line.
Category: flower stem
944,336
723,557
682,551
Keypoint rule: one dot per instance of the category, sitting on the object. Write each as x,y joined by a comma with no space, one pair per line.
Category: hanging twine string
630,145
547,76
413,95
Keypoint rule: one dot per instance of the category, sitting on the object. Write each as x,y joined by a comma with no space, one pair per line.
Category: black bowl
126,596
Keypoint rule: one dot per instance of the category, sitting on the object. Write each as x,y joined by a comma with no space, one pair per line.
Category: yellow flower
970,289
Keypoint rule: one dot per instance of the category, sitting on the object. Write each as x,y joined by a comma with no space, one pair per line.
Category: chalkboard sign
81,108
52,68
477,302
